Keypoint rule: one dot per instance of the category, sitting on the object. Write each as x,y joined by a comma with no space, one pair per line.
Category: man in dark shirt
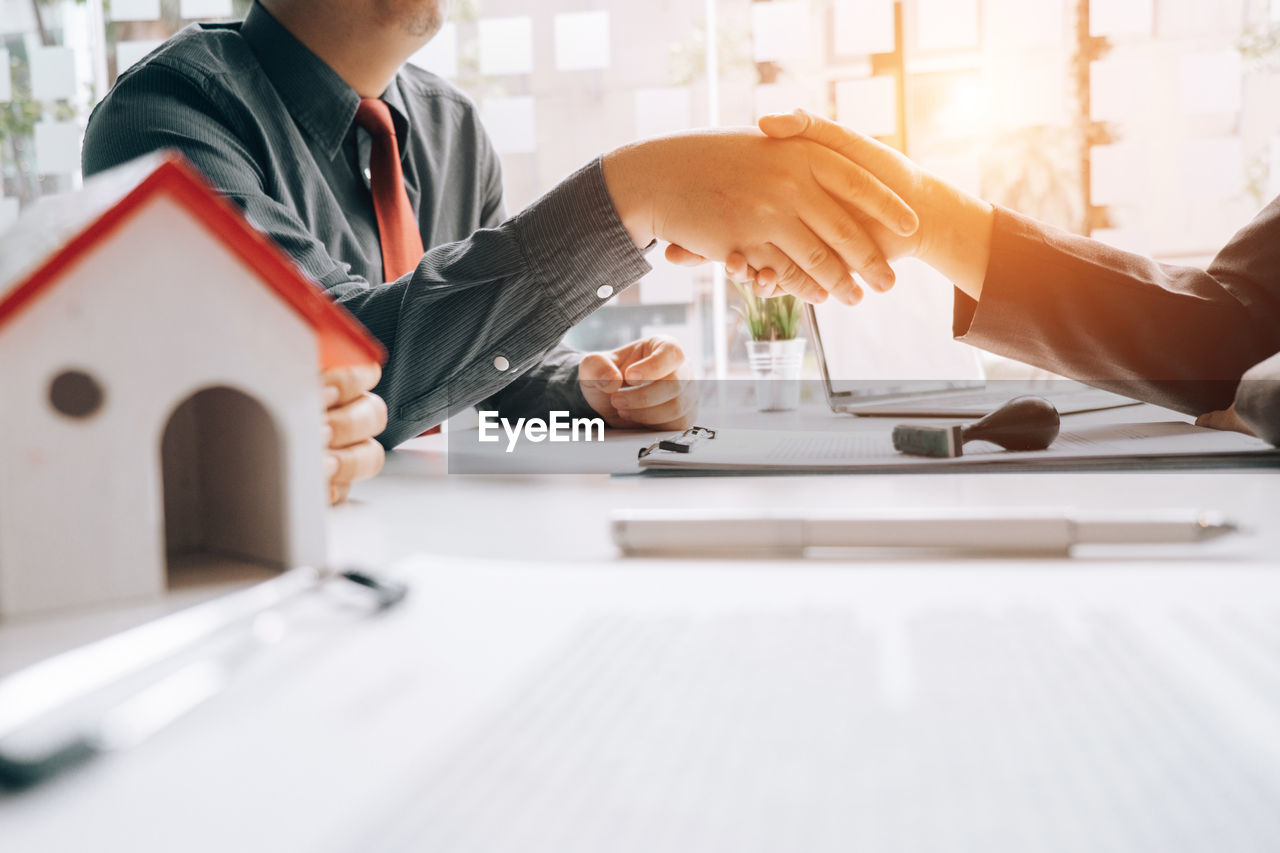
267,107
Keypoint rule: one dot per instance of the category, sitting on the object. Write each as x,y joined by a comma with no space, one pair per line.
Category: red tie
397,226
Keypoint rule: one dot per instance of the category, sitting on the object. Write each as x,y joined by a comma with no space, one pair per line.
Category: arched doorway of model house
224,495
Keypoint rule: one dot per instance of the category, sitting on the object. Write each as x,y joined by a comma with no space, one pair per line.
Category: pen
996,531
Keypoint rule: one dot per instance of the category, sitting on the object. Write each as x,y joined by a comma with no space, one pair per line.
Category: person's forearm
551,385
625,176
956,232
477,313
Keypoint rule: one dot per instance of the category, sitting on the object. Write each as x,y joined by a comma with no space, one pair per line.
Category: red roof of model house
342,341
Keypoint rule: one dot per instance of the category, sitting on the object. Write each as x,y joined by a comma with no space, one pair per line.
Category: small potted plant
775,353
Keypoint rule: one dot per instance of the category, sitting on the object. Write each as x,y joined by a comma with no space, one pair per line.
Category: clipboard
1101,446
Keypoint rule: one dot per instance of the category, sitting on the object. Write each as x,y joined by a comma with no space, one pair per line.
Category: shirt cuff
996,321
577,246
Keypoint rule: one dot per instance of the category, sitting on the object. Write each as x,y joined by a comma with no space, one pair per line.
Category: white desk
352,719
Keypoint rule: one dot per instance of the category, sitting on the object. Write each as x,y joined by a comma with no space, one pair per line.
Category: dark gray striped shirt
272,126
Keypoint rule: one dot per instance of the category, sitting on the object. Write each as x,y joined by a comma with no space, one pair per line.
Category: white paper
6,80
8,213
1121,17
863,27
1211,169
16,16
783,98
129,52
194,10
780,31
946,24
134,10
1024,24
57,147
506,45
1119,174
1120,89
510,122
53,73
1210,82
661,111
1032,93
1200,19
440,55
582,41
870,106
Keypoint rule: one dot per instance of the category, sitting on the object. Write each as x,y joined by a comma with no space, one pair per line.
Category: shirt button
604,291
501,363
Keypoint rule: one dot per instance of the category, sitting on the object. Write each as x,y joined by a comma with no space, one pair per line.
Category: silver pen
710,532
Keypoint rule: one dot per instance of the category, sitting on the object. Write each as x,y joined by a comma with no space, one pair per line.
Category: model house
160,405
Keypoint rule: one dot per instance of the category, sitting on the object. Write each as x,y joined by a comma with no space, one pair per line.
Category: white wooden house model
159,395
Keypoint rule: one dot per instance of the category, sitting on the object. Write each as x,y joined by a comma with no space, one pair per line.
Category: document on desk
717,710
1110,445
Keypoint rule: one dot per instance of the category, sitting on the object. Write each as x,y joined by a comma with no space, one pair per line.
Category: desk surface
319,736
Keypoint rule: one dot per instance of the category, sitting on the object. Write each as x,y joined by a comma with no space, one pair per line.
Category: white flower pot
776,366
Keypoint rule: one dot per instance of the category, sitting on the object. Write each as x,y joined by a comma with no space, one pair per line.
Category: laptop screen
896,342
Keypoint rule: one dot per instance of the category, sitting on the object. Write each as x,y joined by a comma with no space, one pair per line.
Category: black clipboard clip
681,444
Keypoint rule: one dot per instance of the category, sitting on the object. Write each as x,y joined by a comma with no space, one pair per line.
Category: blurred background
1150,124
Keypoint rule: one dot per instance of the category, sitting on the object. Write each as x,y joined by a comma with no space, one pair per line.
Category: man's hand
1226,419
642,385
954,236
353,417
784,204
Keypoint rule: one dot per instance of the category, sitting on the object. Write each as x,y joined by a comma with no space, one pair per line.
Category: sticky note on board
129,52
440,55
1121,17
863,27
134,10
582,41
8,213
663,110
53,73
1119,174
780,31
195,10
57,147
1211,82
1023,24
785,97
506,45
510,122
6,79
946,24
869,105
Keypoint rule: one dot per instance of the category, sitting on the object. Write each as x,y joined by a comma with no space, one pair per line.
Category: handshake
802,208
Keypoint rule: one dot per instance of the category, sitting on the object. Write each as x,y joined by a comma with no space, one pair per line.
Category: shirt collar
319,100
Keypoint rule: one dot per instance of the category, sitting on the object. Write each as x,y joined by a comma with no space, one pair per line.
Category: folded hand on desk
641,385
353,416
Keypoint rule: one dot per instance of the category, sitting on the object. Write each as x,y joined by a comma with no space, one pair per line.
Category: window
1160,147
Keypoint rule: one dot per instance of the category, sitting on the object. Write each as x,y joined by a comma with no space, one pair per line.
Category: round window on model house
76,394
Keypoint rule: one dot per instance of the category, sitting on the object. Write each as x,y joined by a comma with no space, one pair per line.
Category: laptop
894,356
